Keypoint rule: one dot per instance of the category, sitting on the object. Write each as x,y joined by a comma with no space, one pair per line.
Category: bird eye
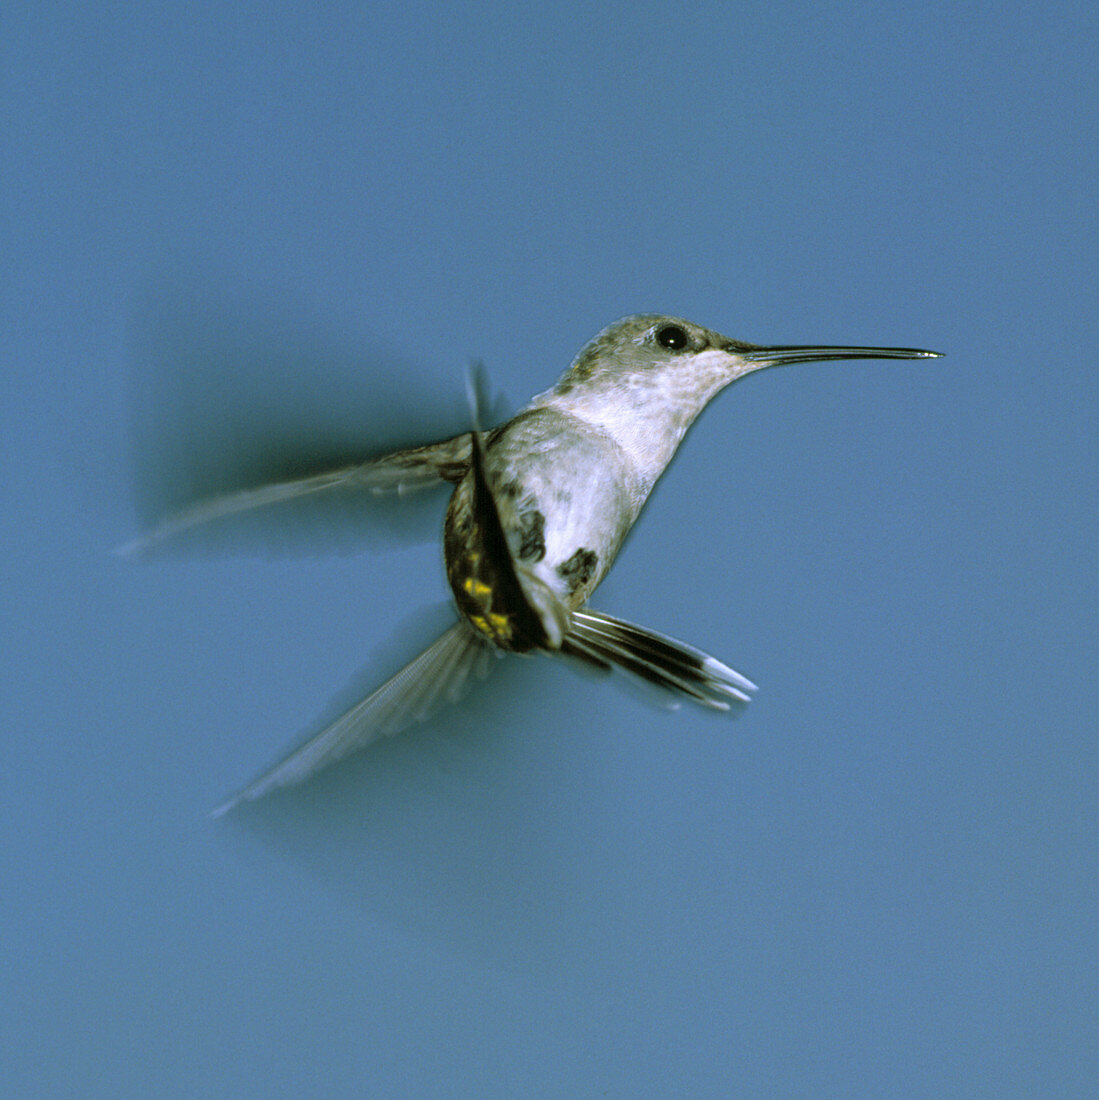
671,337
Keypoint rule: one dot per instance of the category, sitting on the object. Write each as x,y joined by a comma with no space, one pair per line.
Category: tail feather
441,673
603,640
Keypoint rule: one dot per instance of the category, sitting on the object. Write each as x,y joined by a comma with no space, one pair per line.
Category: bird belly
566,509
565,499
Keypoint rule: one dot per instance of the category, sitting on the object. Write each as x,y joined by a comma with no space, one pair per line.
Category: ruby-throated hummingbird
541,507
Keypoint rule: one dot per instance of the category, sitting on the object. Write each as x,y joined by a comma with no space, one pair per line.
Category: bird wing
400,472
604,641
442,673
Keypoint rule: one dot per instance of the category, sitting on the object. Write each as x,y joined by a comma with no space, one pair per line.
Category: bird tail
604,641
442,673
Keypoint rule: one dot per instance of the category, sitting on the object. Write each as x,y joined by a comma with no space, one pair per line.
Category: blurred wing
401,472
604,641
440,674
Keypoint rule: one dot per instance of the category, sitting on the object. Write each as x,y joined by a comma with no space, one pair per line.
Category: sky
243,237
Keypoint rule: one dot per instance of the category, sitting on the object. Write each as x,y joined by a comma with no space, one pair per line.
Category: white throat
646,412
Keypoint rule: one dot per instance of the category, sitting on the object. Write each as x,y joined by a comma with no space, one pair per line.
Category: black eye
671,337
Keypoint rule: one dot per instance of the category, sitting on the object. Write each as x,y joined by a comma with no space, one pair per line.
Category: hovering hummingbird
541,507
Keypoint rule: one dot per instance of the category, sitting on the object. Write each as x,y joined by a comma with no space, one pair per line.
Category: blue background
881,880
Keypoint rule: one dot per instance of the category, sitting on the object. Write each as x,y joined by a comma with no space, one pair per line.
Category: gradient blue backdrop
881,881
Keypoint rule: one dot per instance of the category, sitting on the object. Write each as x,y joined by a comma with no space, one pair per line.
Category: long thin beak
791,353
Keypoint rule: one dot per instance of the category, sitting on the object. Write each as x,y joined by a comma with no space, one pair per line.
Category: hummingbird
540,509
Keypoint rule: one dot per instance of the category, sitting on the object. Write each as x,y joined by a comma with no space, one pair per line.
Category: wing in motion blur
441,674
398,473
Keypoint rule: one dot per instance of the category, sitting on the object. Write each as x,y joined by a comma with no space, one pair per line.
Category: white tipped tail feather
603,640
